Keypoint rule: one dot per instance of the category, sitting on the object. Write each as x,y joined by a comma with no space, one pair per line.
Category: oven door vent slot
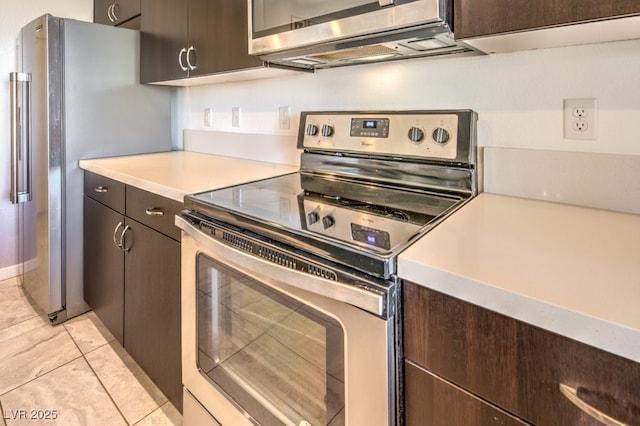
274,256
322,272
238,242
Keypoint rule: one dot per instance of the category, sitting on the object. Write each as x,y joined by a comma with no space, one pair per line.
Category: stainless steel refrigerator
76,95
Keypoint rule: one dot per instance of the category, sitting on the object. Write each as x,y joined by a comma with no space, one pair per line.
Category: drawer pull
101,189
572,395
154,212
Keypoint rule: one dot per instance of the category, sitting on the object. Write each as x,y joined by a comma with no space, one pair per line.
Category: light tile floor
74,373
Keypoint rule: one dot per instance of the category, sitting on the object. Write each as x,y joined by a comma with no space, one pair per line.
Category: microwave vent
429,43
355,53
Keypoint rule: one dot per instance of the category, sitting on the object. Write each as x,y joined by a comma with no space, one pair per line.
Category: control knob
441,135
328,222
312,130
416,134
312,218
327,131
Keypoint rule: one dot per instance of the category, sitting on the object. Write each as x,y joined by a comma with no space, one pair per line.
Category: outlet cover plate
235,117
284,117
580,119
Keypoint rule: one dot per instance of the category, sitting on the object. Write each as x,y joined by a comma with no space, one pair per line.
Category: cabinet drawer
429,400
107,191
514,365
153,210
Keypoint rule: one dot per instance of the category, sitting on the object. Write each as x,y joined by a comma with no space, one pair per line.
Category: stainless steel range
289,285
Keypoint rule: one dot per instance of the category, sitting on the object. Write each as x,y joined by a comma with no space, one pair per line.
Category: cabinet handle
572,395
113,11
188,55
102,189
124,231
109,13
115,231
182,51
154,211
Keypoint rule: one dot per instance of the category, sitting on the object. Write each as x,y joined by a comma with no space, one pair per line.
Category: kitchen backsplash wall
519,96
13,16
604,181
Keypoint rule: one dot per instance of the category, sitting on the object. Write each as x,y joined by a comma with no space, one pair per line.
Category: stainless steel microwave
328,33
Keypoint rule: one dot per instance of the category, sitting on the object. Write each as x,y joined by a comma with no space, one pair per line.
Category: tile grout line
83,355
46,372
44,318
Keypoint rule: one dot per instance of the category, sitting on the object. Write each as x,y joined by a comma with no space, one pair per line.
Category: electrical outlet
207,117
284,117
235,117
580,120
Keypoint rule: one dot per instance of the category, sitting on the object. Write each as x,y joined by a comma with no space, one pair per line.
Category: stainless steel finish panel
459,125
43,234
385,19
396,141
411,29
452,180
368,363
357,294
193,413
86,103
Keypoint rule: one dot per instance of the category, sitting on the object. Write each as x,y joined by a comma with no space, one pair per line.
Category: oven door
259,349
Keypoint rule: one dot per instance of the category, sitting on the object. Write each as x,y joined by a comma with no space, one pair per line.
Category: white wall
518,95
14,15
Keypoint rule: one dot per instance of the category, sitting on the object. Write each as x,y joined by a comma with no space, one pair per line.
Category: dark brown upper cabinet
116,12
181,39
486,23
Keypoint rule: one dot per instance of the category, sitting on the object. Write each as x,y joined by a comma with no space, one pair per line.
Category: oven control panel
423,135
372,231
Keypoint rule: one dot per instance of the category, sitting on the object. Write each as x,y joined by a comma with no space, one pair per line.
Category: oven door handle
274,274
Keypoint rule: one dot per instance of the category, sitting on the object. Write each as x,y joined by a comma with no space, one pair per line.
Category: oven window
276,16
280,360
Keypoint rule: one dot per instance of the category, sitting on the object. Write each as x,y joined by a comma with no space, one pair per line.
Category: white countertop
571,270
178,173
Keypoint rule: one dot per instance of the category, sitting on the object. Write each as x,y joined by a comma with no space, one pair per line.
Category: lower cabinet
468,365
152,307
132,275
104,266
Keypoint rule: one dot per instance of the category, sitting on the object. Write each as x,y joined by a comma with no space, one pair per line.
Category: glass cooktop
363,216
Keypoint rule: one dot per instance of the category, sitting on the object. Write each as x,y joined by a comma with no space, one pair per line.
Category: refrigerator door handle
20,135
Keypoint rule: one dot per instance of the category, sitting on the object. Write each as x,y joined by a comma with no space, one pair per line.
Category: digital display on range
371,236
370,127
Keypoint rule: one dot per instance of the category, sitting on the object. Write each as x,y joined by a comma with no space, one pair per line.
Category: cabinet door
474,18
163,35
101,12
115,12
429,400
103,266
514,365
152,307
218,33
